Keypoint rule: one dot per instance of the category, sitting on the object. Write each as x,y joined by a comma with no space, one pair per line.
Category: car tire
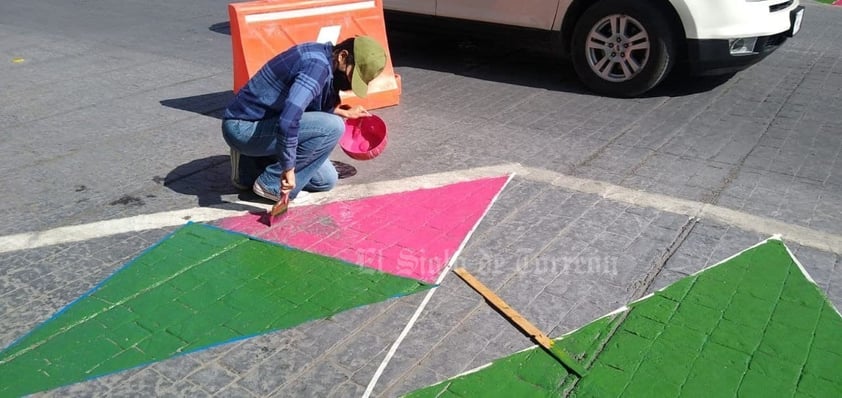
622,48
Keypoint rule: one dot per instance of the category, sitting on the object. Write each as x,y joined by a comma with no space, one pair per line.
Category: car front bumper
715,56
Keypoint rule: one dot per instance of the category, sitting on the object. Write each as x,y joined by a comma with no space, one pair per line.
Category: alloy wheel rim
617,48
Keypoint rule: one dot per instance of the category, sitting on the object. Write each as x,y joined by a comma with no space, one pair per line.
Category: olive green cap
369,61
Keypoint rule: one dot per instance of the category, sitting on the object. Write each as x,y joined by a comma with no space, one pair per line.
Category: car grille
774,41
780,6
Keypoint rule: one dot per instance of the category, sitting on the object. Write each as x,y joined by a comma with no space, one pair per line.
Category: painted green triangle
532,372
754,325
199,287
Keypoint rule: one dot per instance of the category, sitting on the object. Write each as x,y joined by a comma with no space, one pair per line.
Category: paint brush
279,208
527,327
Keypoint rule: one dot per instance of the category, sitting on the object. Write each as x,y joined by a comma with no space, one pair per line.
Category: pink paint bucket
364,138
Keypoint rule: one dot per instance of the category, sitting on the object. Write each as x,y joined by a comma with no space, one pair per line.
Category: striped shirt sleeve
306,86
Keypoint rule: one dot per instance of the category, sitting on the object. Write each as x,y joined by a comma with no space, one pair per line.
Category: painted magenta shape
412,234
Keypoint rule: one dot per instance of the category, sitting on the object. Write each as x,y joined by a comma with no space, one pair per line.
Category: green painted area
751,326
199,287
532,372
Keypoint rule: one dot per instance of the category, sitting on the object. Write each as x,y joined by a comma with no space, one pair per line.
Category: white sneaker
303,196
264,193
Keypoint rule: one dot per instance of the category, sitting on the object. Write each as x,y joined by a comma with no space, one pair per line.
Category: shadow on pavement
488,52
221,27
680,83
470,54
208,179
497,53
505,55
211,104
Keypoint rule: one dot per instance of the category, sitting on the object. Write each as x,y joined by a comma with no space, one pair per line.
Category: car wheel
622,48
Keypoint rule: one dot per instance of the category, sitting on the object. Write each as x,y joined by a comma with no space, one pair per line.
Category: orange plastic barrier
262,29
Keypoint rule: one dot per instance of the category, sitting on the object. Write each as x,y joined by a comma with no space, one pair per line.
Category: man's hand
349,112
287,184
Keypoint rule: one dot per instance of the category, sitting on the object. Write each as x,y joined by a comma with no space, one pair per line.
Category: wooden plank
527,327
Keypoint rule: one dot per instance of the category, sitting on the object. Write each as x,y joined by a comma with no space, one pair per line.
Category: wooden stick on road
518,319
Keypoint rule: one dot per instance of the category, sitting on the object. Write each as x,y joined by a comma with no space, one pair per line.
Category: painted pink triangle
414,234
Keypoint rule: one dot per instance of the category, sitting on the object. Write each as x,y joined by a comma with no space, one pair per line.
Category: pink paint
413,234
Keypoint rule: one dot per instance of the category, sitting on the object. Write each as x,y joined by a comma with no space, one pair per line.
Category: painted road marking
411,234
752,325
101,229
199,287
801,235
394,348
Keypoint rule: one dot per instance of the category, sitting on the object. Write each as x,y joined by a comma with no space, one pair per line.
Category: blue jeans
318,134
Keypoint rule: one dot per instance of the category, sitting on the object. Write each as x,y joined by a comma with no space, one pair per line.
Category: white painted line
810,278
800,266
804,236
101,229
309,12
791,233
474,370
394,348
729,258
436,180
533,347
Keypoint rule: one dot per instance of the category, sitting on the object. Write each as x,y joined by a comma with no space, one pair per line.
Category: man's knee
324,179
325,124
336,126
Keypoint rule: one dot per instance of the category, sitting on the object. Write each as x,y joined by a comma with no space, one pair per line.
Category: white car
626,47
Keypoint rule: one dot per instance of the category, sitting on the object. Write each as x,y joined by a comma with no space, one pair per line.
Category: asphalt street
110,112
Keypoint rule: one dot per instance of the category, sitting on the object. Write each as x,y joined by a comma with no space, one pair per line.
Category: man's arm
301,93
